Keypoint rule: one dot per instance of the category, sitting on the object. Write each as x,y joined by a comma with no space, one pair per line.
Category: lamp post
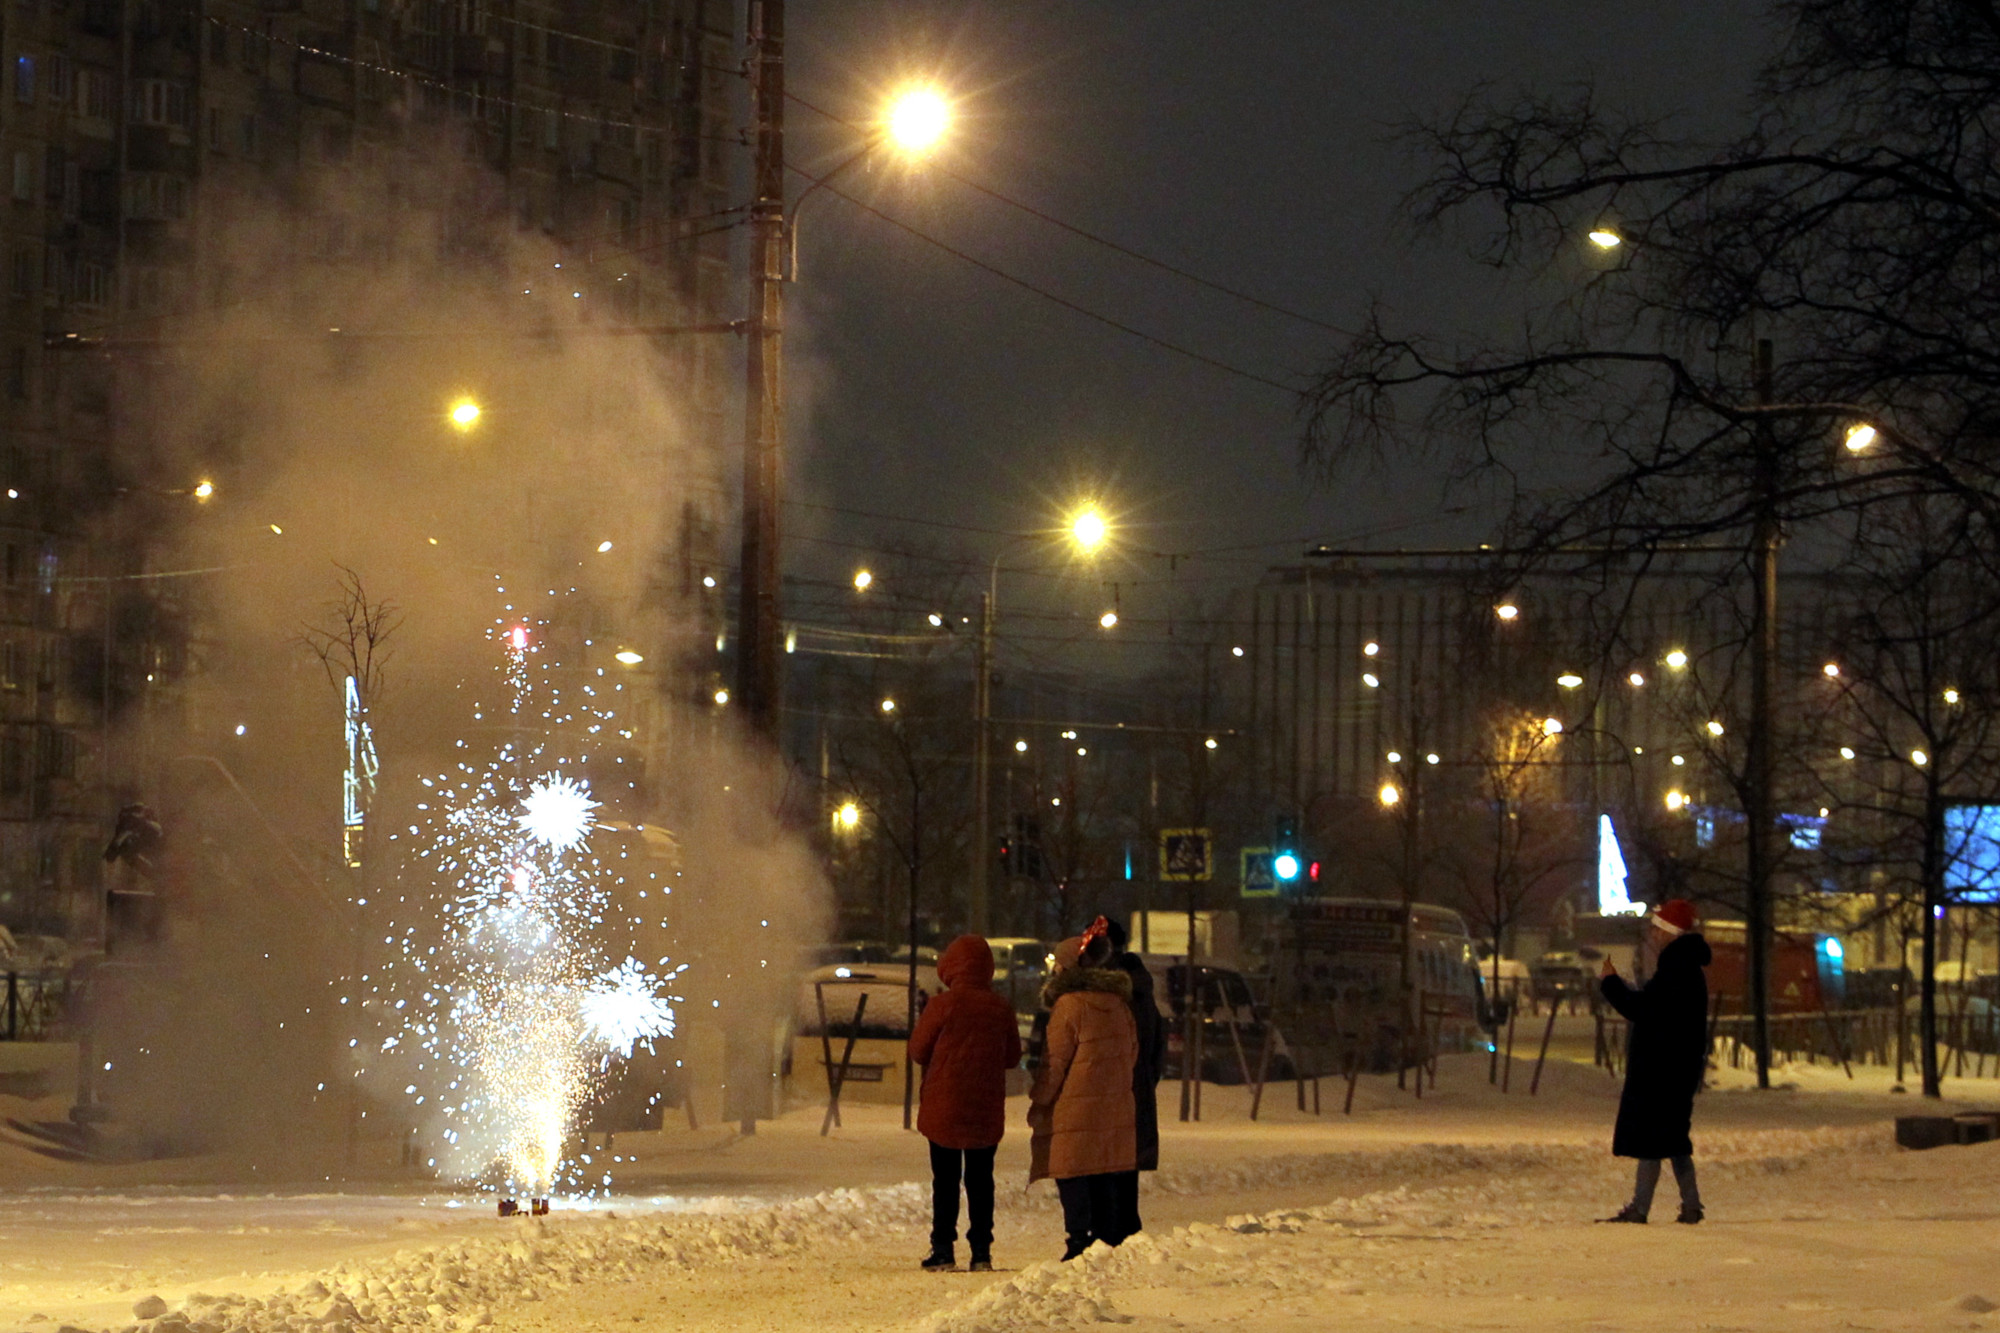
915,122
1088,529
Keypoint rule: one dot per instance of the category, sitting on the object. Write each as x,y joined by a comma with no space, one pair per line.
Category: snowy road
1468,1209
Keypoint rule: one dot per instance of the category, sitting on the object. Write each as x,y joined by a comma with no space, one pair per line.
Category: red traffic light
1312,872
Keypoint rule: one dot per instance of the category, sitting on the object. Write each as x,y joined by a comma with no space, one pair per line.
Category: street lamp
464,415
916,121
1087,530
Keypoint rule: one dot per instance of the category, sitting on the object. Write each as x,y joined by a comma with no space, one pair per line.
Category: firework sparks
556,813
513,987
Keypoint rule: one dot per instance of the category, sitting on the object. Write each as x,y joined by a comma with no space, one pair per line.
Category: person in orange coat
966,1040
1081,1107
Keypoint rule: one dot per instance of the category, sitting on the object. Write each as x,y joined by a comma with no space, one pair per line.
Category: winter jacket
1081,1107
1668,1051
966,1040
1152,1059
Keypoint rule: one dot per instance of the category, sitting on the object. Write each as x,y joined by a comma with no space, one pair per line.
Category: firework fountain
512,985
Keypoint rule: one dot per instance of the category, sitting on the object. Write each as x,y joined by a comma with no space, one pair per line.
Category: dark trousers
1649,1179
976,1167
1127,1185
1092,1211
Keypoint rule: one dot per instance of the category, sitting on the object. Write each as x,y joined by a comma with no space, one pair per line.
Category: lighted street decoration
1612,898
1186,855
357,784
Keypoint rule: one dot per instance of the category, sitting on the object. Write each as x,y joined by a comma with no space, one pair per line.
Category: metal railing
34,1006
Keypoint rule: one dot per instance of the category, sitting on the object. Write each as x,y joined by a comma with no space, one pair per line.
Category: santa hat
1675,916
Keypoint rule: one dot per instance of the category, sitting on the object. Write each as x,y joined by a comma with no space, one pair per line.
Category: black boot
982,1262
1690,1215
940,1260
1626,1214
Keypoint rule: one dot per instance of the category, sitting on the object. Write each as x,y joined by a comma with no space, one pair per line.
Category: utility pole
758,626
1933,896
982,766
1759,798
745,1054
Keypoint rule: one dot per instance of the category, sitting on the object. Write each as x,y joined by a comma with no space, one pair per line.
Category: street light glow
1831,670
917,119
1950,695
1714,728
1371,680
1569,680
204,489
628,657
603,546
1210,742
1395,756
1370,648
1605,239
1389,795
1675,800
722,696
1637,679
1108,619
1507,611
1677,659
1859,436
464,415
1430,758
1847,752
1919,758
888,705
848,817
1552,726
862,580
1020,747
1088,529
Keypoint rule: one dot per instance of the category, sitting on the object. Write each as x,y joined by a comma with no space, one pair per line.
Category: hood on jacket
1689,950
967,961
1107,979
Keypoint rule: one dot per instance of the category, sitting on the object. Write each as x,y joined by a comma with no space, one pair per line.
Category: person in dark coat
1145,1072
1667,1056
966,1040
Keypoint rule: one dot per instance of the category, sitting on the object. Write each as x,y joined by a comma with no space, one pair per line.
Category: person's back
966,1040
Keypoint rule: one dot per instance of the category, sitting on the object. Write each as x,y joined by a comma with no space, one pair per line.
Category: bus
1338,990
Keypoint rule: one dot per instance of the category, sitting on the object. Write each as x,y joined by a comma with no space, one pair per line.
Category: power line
1047,295
1095,239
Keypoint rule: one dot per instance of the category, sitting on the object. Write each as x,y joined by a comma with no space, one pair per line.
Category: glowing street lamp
1676,800
917,119
628,657
464,415
1108,619
1677,659
1088,529
1604,238
204,489
1552,726
863,580
1569,680
1831,670
888,706
1714,728
847,818
1859,437
721,697
1507,611
1389,796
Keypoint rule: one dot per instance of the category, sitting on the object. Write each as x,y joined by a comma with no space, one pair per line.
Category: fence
1969,1033
34,1006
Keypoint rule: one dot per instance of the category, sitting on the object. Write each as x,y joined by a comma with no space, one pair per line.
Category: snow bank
1051,1294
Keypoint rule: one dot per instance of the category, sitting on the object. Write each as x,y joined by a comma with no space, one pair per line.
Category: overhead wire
1093,237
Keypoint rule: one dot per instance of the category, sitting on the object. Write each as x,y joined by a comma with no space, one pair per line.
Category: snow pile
457,1286
1509,1187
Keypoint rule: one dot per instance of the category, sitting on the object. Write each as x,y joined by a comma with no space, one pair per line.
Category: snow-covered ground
1467,1208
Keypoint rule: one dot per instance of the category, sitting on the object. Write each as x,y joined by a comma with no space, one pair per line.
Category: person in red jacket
966,1040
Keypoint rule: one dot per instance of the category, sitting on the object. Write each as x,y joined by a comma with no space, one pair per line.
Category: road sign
1186,855
1258,879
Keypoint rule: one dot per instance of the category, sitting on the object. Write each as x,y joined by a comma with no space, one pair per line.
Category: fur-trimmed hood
1070,979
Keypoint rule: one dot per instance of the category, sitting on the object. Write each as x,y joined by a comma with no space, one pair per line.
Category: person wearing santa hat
1667,1056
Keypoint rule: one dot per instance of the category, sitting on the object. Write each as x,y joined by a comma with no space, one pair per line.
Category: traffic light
1286,864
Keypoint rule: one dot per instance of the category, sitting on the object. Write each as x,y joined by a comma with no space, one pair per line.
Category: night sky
1251,143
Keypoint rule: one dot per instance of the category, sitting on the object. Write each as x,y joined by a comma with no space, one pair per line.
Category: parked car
886,985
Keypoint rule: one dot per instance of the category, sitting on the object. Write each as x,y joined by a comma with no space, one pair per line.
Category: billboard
1972,852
